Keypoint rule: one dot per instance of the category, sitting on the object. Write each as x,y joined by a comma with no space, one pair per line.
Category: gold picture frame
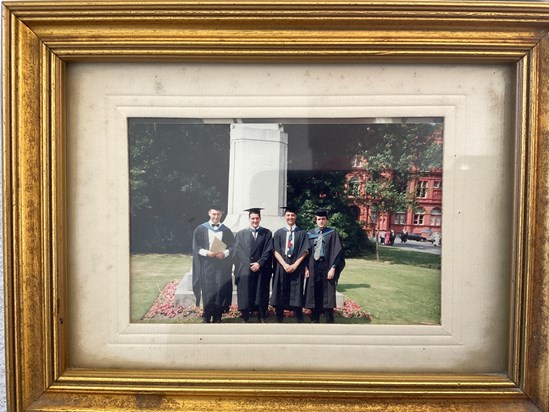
41,38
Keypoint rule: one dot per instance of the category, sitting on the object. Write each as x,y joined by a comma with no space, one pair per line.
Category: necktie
215,225
254,231
318,247
291,243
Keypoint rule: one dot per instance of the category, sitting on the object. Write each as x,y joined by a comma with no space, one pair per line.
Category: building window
421,190
354,186
419,217
436,216
400,218
437,184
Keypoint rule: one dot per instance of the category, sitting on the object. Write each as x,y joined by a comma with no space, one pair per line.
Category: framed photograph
84,82
278,161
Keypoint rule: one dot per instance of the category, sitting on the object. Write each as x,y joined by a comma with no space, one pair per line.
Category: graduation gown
212,277
288,287
253,287
333,254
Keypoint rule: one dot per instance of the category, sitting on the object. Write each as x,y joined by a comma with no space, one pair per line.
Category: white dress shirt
211,235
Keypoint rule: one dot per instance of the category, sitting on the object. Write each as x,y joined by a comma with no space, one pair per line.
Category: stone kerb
184,295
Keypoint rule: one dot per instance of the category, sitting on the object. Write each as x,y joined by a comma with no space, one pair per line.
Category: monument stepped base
184,295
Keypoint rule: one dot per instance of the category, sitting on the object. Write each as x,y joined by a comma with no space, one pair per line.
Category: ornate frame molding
41,38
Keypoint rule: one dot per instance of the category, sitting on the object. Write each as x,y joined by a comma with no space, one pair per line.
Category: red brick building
424,219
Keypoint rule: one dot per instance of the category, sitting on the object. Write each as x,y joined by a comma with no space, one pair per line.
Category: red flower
164,307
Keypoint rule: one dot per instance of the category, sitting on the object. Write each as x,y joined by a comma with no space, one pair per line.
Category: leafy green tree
171,186
311,190
319,159
394,155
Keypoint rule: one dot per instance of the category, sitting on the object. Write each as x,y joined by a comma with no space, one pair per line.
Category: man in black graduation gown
324,268
291,249
212,270
253,254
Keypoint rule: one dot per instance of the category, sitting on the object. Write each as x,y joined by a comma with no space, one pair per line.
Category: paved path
426,247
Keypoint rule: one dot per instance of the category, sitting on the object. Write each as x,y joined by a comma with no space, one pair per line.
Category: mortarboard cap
290,209
254,210
321,213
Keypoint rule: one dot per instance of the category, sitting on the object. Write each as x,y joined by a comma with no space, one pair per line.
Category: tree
393,156
171,185
311,190
319,158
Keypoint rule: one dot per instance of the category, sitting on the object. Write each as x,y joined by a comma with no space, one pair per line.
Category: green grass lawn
402,288
394,293
149,274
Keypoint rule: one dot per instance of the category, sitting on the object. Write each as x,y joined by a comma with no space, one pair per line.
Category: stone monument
257,178
257,174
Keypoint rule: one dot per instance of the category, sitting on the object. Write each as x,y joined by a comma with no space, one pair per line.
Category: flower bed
164,308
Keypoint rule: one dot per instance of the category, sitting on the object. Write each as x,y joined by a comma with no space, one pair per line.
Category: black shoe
205,320
329,313
279,320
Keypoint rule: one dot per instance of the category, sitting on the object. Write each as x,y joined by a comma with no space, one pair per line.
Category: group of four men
304,267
